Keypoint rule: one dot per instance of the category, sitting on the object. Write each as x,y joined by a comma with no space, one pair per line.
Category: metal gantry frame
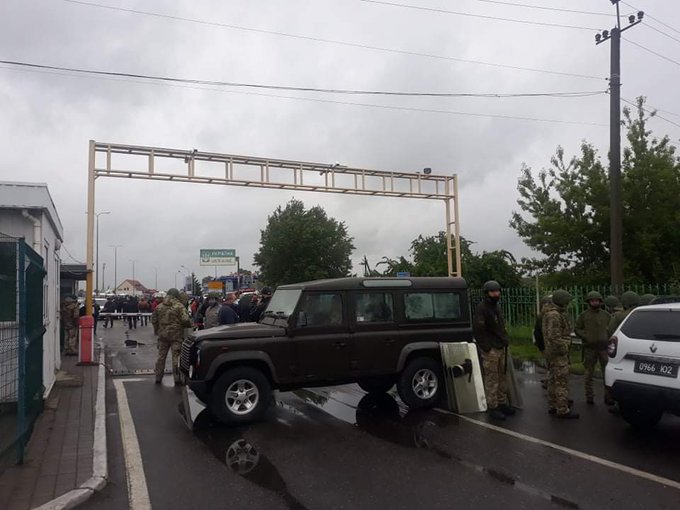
231,170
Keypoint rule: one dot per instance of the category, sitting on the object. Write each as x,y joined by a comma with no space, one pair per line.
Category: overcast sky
47,118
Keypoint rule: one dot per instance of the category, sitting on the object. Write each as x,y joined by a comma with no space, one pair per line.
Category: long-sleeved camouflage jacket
169,320
556,326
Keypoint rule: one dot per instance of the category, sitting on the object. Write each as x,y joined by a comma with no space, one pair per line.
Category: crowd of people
171,317
553,337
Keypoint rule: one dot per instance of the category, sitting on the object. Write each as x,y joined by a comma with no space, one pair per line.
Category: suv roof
664,306
420,282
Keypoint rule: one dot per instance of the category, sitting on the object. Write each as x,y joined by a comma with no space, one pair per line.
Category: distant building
27,211
132,288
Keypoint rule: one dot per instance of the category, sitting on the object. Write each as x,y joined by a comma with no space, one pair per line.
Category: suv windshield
283,303
653,325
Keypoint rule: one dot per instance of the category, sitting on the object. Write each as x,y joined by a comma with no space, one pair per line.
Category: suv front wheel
421,383
240,395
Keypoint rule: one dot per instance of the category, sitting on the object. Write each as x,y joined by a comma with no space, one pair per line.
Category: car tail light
613,346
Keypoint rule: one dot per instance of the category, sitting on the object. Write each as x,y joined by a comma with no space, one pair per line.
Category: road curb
100,470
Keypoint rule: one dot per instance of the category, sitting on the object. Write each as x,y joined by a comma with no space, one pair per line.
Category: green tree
299,244
429,259
196,287
565,210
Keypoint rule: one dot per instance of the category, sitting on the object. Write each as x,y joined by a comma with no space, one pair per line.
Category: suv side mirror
301,320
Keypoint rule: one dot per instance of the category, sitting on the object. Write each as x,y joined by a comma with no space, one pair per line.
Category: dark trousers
132,320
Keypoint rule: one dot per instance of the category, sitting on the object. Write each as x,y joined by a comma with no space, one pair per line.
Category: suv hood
239,330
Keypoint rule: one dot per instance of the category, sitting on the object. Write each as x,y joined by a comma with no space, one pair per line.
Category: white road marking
575,453
138,492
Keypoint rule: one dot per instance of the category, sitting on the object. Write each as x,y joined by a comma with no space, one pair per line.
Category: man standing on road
70,317
629,300
492,340
258,309
110,309
612,304
557,335
211,313
169,320
591,327
227,314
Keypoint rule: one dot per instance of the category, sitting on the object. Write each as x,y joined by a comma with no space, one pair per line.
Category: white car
644,358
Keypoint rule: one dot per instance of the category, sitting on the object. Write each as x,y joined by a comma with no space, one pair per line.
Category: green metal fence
21,346
520,305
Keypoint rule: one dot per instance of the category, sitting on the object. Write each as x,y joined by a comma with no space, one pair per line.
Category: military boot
507,410
496,414
570,415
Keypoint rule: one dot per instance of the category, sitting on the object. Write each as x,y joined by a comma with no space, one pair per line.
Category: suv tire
640,417
421,383
240,395
377,385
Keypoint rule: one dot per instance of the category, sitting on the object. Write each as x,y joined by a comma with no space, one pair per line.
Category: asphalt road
338,448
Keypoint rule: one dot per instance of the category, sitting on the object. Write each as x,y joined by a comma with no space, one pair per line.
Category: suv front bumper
667,398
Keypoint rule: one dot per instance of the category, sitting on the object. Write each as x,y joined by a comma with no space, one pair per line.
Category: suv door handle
389,341
339,345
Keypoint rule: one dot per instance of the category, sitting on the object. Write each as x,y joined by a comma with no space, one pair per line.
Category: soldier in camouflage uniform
629,300
591,327
211,316
557,335
492,341
70,319
612,304
169,320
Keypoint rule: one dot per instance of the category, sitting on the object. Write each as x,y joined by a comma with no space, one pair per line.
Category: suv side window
322,309
419,306
371,307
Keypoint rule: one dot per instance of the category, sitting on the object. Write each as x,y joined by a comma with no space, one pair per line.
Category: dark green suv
376,332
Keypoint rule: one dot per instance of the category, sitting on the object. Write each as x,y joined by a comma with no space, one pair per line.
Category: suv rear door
321,336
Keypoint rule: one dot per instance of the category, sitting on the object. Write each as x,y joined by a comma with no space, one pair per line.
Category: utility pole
103,275
115,265
615,195
96,269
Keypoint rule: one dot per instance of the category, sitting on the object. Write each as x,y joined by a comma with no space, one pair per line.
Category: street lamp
103,273
134,284
115,266
188,276
96,269
178,272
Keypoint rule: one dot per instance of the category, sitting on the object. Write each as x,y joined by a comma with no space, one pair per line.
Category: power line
482,16
337,42
653,18
63,245
543,8
652,52
662,32
326,101
302,89
652,113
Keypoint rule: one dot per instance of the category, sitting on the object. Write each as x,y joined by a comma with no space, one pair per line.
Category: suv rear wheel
640,416
421,383
377,384
240,395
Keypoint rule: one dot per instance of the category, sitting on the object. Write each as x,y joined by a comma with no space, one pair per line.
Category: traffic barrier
86,350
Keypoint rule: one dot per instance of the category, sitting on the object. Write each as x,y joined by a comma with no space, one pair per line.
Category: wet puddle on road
234,450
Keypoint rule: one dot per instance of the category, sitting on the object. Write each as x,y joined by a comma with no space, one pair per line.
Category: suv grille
186,355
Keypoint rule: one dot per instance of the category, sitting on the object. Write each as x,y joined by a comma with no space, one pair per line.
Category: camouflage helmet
561,297
491,286
593,294
630,299
173,293
611,302
645,299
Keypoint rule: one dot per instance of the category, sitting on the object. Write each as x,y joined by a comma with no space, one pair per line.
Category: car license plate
656,368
